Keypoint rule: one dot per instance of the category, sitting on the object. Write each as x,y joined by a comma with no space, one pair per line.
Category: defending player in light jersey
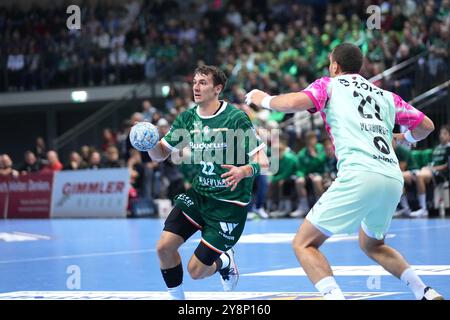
221,189
359,118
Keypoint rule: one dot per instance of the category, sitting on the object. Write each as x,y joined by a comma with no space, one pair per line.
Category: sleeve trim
314,101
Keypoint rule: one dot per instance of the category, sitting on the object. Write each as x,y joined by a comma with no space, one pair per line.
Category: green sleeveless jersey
227,137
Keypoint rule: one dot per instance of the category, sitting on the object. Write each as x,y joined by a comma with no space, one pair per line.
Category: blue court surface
116,259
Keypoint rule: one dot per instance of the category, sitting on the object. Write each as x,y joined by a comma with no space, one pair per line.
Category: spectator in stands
407,166
137,171
163,127
136,117
31,163
147,110
53,163
261,183
109,139
438,59
436,171
85,153
6,167
281,183
311,166
75,162
95,160
40,149
112,158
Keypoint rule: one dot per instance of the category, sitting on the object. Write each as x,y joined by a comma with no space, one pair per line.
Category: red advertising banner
30,196
3,197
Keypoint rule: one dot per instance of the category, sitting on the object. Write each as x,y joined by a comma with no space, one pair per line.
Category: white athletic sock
225,260
412,280
176,293
422,201
329,289
404,202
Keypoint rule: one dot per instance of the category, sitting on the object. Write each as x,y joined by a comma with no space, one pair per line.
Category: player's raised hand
400,139
255,97
233,176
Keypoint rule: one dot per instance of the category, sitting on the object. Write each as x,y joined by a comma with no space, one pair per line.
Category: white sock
225,260
412,280
176,293
329,289
404,202
422,201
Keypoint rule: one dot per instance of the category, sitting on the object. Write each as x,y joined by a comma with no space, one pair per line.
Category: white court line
163,295
98,254
420,228
371,270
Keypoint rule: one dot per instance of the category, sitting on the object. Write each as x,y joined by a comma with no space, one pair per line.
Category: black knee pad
177,223
173,277
205,254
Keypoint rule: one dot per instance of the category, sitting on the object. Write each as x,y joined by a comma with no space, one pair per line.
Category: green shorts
220,222
357,199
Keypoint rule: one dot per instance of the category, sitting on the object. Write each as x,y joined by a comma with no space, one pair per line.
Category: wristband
265,103
409,137
256,168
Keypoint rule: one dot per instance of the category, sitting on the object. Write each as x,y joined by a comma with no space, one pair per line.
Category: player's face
332,68
444,136
204,89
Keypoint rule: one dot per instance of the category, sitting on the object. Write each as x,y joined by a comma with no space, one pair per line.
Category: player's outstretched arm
159,153
288,103
420,132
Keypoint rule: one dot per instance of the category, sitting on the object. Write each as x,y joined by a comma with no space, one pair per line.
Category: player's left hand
233,176
255,97
400,139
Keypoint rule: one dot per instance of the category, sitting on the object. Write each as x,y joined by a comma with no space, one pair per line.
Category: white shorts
357,199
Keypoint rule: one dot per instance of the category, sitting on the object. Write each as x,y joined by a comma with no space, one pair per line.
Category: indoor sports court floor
116,259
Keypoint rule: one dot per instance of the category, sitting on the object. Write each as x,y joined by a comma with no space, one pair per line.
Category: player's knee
370,247
196,272
164,248
298,245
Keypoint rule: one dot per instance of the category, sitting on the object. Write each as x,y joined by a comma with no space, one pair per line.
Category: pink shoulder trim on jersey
406,114
318,93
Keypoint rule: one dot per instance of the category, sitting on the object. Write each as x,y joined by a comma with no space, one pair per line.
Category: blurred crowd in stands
304,173
277,46
273,45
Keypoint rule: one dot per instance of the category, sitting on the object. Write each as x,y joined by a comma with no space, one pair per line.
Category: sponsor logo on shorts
227,227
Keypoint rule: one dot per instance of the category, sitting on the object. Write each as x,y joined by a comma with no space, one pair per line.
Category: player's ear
218,89
338,68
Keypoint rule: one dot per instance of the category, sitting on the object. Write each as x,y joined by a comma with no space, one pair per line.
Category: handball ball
144,136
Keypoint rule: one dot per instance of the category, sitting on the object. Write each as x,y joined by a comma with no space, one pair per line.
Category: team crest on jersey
206,130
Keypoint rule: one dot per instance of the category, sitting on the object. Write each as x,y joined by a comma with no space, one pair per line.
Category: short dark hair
218,75
349,57
446,127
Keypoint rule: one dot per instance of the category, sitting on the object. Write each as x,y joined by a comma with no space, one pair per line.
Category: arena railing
88,123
